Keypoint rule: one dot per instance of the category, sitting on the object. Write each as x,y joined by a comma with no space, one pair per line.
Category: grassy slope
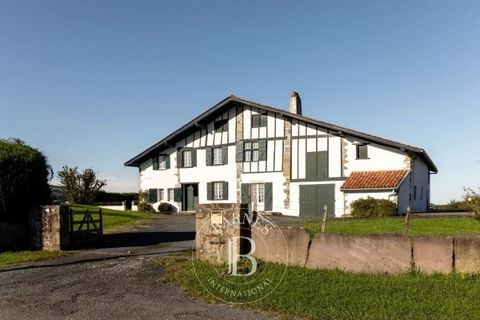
329,294
113,219
11,258
394,225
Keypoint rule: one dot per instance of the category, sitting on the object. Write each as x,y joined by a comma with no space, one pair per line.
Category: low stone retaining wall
386,254
391,254
282,245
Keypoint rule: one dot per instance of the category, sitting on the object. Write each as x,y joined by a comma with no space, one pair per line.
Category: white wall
352,196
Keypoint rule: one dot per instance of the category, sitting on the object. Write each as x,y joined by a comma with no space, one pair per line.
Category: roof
368,180
334,129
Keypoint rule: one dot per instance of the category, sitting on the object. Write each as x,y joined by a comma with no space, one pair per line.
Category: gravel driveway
116,281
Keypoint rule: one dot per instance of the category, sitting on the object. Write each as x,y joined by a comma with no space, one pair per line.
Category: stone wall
282,245
49,227
386,254
12,236
390,254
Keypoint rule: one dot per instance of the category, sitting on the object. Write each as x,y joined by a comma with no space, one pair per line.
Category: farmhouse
275,160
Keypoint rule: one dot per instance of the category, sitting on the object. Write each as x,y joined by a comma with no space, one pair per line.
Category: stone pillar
49,227
287,158
215,224
238,138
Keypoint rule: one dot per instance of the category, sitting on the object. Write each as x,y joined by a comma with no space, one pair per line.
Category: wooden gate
85,226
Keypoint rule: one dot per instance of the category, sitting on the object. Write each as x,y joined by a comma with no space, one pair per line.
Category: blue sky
92,83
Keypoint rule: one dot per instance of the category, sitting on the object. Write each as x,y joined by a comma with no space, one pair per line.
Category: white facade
275,149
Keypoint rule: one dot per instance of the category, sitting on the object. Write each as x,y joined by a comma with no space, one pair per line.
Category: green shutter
209,156
245,193
177,194
316,166
263,120
209,191
225,155
268,196
167,161
311,166
262,150
225,190
155,162
255,121
322,163
239,155
194,157
179,159
152,195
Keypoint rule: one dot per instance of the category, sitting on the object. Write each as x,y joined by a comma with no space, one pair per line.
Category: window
362,151
251,151
217,156
217,190
161,194
162,162
221,125
259,120
155,163
171,194
187,159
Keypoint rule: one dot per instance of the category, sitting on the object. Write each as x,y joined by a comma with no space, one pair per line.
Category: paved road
116,281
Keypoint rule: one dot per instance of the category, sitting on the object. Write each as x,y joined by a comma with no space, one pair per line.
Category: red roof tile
388,179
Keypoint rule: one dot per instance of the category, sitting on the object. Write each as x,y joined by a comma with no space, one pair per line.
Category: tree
24,176
80,187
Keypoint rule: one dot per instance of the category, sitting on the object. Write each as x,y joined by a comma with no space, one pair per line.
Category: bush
165,207
472,201
145,207
24,176
371,207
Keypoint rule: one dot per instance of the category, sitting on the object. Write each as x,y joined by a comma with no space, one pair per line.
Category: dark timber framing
217,110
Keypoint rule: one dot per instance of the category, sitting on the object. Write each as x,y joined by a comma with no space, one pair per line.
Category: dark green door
190,198
314,197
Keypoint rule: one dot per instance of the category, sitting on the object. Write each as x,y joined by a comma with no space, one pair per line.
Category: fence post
324,222
87,217
406,224
70,211
100,214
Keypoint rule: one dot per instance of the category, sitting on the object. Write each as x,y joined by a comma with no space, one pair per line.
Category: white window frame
161,195
187,159
217,190
217,156
251,151
162,162
257,196
171,194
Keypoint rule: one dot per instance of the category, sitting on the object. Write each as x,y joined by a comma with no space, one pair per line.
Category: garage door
314,197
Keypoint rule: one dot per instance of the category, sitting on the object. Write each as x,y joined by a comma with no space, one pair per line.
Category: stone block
388,254
433,255
467,254
287,246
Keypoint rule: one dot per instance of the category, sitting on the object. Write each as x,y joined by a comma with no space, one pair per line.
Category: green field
115,219
330,294
439,226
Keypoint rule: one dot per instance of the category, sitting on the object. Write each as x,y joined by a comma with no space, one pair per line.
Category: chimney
295,103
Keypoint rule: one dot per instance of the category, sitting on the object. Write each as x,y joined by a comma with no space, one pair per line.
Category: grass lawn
115,219
440,226
329,294
12,258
